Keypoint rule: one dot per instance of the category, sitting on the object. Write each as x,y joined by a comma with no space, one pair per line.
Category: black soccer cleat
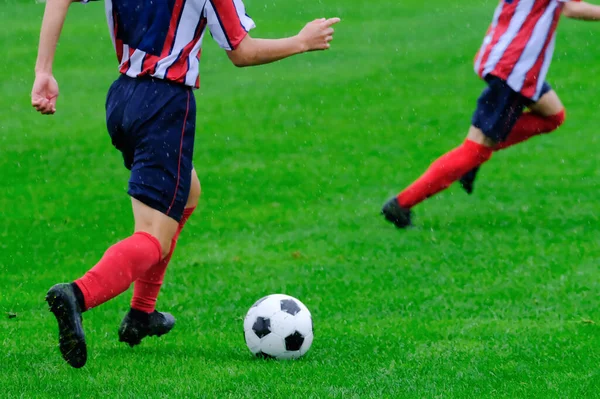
468,180
71,338
138,325
394,213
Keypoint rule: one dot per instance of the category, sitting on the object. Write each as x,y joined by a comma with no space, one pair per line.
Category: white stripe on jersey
136,63
190,18
247,22
487,40
192,74
214,25
162,65
545,68
125,55
521,13
533,49
215,28
108,7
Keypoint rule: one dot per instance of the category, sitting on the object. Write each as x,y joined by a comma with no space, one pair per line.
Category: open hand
44,93
317,34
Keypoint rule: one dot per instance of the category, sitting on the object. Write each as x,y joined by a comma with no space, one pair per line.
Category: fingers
44,106
332,21
328,22
51,109
318,34
52,101
328,37
44,94
329,31
39,104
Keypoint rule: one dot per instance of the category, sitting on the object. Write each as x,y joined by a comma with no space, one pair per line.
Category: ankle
79,296
139,315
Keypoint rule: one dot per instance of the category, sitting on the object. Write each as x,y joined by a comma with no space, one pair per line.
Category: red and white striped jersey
519,44
163,38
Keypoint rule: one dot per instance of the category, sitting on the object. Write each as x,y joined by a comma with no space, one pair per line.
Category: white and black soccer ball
278,326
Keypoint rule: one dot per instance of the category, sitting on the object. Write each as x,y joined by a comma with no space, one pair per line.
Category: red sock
444,171
147,287
529,125
120,266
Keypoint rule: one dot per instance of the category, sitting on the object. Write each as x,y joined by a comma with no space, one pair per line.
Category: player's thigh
549,104
195,191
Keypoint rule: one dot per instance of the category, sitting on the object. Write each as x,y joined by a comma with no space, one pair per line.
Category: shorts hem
157,206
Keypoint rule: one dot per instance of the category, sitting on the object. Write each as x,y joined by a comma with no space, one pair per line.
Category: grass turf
493,295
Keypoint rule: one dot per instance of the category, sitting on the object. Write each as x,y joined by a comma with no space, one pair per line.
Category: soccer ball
278,326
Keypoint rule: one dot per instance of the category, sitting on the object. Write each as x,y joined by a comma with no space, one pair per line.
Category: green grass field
492,295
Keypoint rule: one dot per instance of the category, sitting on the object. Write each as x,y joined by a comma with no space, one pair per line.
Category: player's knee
164,236
155,223
561,117
476,135
165,246
555,121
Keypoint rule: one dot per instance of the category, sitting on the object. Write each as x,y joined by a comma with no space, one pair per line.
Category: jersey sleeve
228,22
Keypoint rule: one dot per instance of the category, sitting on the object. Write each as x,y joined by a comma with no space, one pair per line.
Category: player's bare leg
143,320
475,150
155,223
195,191
550,104
476,135
544,116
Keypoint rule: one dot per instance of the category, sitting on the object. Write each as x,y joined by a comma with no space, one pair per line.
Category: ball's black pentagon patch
290,306
262,327
294,342
261,300
264,355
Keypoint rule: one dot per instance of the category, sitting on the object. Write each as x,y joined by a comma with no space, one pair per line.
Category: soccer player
151,118
513,60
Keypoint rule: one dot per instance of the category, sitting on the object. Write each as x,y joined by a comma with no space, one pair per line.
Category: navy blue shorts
153,123
499,107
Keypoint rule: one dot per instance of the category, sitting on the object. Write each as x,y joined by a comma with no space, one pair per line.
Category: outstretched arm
581,10
316,35
45,88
